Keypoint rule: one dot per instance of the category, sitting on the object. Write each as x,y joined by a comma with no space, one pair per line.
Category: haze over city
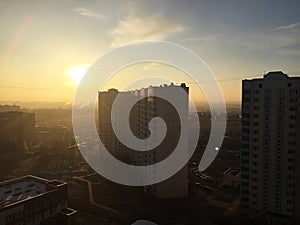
161,112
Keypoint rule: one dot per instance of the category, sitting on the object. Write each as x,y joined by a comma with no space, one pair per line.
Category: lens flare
77,73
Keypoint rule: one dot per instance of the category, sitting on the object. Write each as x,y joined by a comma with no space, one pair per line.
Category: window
247,91
246,99
292,117
291,151
245,138
256,99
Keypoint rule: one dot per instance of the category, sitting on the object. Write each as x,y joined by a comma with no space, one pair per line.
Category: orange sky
42,41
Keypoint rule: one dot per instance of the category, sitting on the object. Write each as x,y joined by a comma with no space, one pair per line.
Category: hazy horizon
46,46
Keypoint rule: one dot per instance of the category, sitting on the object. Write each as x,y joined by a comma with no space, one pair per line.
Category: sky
44,45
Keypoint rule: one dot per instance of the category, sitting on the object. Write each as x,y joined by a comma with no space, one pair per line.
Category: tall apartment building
270,160
107,135
147,108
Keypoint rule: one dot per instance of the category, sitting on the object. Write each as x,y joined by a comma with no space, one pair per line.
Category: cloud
288,26
85,12
152,66
286,43
265,40
135,28
207,38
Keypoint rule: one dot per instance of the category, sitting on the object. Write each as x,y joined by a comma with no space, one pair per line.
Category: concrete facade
147,108
270,160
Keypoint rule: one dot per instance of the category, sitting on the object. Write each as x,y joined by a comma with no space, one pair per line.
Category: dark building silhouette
148,107
17,129
270,156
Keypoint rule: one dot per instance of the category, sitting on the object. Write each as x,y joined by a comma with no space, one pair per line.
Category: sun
77,73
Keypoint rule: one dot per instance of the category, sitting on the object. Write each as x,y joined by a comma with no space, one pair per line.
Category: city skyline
45,46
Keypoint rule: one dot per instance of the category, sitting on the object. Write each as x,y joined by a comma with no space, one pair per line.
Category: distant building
33,200
17,128
10,108
270,156
231,177
147,108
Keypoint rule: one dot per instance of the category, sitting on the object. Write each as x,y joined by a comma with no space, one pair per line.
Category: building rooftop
67,212
232,172
60,218
275,75
149,87
23,188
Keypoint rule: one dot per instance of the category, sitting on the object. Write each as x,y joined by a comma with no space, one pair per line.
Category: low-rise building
32,200
231,177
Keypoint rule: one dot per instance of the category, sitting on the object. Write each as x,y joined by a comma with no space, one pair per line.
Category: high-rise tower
270,156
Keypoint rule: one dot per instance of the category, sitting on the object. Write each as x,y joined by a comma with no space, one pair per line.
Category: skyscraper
148,107
108,137
270,160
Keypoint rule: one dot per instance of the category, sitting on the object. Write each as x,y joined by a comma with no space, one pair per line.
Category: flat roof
67,211
23,188
232,171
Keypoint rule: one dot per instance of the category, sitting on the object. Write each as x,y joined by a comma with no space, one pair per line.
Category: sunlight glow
77,73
